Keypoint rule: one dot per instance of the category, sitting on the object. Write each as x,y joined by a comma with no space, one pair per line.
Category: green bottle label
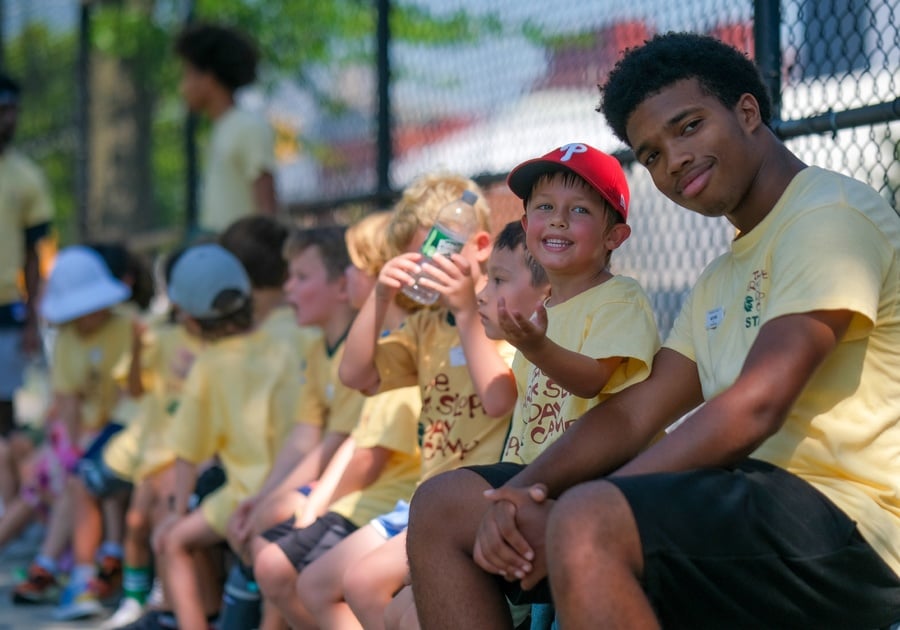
439,242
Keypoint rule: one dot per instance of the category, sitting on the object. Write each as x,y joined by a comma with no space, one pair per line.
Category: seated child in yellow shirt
92,340
238,398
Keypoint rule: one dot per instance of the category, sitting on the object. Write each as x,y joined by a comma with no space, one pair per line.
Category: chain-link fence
458,85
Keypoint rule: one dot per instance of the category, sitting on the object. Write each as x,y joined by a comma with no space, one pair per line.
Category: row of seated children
286,436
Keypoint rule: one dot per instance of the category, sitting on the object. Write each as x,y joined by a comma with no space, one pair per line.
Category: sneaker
39,587
108,582
128,612
156,598
77,602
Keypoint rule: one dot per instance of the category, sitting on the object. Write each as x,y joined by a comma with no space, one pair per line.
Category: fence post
767,44
191,213
83,167
383,69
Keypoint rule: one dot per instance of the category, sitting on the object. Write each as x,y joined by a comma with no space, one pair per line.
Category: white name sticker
457,356
714,318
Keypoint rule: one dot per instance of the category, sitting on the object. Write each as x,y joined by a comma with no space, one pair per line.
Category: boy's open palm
526,334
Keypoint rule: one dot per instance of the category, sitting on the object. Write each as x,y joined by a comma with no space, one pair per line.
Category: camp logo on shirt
754,297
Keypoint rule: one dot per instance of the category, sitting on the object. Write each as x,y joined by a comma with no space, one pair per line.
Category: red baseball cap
603,172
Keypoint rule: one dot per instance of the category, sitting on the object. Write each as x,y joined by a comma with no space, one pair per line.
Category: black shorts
303,546
748,547
755,547
496,475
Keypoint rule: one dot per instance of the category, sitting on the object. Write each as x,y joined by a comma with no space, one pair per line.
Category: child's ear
483,245
617,235
524,221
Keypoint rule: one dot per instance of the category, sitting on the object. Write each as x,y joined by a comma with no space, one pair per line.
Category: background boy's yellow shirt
24,202
613,319
241,148
323,400
389,420
86,365
282,324
236,402
814,253
455,431
144,445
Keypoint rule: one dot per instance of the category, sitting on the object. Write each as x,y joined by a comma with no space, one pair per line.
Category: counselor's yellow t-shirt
455,431
830,243
241,148
85,366
239,397
389,420
24,203
612,319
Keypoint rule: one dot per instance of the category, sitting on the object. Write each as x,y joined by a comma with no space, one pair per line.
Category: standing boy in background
240,158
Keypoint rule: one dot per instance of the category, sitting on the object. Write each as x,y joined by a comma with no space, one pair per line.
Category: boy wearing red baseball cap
595,334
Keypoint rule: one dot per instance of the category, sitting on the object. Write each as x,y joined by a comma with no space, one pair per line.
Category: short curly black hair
227,54
256,241
723,71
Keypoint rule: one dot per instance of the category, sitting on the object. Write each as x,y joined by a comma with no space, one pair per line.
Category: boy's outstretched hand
526,334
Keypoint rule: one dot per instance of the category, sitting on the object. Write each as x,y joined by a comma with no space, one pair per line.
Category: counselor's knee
274,573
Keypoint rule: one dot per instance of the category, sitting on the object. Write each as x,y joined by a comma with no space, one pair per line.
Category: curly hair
227,54
722,71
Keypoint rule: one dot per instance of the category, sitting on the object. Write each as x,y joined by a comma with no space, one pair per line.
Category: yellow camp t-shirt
241,148
85,366
24,203
455,431
144,445
829,243
612,319
281,323
238,397
389,420
323,400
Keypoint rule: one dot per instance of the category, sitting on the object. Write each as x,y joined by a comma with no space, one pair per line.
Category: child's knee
137,525
274,573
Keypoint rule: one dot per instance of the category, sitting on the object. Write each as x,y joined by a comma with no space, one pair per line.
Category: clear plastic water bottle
455,223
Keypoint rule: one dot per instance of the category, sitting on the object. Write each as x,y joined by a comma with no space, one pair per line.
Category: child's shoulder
615,289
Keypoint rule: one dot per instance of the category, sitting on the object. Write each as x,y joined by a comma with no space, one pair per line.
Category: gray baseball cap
208,282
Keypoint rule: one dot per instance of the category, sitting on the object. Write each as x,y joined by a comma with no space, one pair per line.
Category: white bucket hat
79,284
200,278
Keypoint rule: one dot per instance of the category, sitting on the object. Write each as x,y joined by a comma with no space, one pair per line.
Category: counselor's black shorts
303,546
754,546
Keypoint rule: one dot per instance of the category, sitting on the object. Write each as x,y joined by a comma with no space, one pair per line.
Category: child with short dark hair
239,397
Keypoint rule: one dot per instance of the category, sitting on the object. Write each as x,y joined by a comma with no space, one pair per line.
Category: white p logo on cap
569,150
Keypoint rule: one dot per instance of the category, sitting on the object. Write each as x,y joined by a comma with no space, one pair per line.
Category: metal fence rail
512,80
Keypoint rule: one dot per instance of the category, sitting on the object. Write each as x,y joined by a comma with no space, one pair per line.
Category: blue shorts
394,522
99,480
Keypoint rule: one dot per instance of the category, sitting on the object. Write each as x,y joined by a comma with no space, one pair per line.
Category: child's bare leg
370,584
60,526
163,486
210,573
276,576
400,614
190,534
86,537
15,517
9,478
321,584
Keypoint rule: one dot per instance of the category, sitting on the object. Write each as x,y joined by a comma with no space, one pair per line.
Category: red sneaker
40,587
